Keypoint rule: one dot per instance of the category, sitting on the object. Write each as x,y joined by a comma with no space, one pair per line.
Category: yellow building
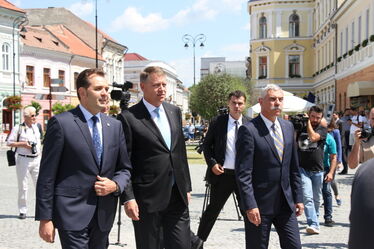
297,44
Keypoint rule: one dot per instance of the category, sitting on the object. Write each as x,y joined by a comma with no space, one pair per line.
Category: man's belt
29,156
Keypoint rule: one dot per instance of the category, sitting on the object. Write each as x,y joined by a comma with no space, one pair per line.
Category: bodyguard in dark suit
84,167
219,153
268,175
158,199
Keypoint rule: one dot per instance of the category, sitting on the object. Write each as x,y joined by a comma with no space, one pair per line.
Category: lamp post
189,39
16,23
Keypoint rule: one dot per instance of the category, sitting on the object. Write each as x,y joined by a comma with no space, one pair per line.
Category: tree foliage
58,108
37,106
212,91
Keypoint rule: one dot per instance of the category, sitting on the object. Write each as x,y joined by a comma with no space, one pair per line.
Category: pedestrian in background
26,138
346,126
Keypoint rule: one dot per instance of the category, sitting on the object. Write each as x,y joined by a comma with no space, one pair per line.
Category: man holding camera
311,142
219,152
26,138
363,147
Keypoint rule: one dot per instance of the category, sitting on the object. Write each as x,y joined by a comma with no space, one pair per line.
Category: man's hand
189,197
329,177
299,209
132,210
47,231
254,216
358,136
217,169
104,186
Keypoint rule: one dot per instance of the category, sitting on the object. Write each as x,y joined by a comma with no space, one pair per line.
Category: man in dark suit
84,168
219,153
158,199
267,172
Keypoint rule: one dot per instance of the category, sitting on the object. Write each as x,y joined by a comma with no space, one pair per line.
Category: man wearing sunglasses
26,138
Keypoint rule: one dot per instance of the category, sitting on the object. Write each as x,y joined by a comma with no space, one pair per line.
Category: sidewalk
228,232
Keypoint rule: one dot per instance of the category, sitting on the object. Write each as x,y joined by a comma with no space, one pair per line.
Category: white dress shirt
162,112
230,143
88,117
269,123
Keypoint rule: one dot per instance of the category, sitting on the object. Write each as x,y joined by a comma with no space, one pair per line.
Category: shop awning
360,88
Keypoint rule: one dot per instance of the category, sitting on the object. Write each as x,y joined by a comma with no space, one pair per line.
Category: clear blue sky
154,29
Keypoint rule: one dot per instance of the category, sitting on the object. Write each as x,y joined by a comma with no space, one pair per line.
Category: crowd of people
277,172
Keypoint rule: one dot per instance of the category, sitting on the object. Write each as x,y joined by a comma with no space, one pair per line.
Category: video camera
222,110
122,95
299,122
367,132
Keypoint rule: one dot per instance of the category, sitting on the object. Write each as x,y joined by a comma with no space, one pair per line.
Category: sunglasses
32,116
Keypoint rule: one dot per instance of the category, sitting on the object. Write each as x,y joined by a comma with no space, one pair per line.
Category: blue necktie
96,138
163,125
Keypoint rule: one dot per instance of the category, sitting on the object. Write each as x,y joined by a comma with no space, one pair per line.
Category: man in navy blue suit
267,173
84,168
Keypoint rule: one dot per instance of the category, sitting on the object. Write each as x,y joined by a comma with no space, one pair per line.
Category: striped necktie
278,141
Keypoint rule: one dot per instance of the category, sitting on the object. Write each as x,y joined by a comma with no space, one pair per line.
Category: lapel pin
107,124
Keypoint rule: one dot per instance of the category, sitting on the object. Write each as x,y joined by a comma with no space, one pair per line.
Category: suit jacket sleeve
128,193
295,178
244,167
208,145
122,174
49,166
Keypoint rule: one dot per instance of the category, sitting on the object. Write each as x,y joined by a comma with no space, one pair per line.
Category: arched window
294,25
5,51
263,28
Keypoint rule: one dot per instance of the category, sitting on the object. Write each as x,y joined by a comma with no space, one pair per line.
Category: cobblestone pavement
228,232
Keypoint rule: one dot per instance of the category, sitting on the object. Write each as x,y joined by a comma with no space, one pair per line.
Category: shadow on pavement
325,245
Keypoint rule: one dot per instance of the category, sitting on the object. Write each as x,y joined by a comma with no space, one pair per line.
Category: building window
30,75
263,67
263,28
61,77
341,43
294,66
367,24
359,30
346,39
294,25
353,35
46,77
75,80
5,49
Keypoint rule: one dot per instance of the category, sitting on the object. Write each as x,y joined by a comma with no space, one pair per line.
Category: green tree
58,108
212,91
37,106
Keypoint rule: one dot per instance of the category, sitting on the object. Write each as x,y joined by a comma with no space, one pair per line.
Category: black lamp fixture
193,40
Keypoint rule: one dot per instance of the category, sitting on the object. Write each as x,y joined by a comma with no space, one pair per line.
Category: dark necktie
236,122
96,138
278,141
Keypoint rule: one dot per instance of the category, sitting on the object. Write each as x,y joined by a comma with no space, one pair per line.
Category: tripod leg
206,198
236,207
118,243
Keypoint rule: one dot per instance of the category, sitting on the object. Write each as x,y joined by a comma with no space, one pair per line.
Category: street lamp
16,23
193,40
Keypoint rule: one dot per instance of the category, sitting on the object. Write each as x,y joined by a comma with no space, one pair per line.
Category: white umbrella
291,103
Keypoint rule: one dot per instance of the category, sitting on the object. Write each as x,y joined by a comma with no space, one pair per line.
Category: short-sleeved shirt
330,148
355,120
311,153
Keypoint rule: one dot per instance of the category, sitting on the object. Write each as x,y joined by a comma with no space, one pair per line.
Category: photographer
311,141
363,147
219,152
26,138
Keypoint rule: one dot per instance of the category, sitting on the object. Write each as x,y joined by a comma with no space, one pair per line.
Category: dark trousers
346,149
169,227
257,237
327,199
220,191
89,238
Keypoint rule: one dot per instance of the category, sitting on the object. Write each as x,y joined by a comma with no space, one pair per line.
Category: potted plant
365,43
357,47
13,102
350,52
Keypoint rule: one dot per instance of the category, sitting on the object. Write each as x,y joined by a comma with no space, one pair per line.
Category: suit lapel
173,126
287,138
224,131
148,122
266,134
80,120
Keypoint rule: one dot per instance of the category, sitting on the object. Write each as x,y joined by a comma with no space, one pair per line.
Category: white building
219,65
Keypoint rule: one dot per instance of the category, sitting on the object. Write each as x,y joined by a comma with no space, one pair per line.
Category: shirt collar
151,107
87,115
269,123
232,120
